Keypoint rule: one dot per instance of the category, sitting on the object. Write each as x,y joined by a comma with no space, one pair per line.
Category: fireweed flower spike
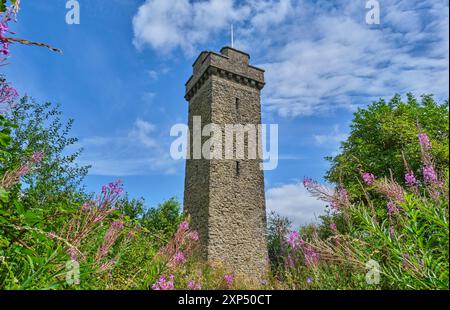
333,227
391,231
295,241
410,179
164,284
184,225
192,285
229,278
321,192
37,157
110,238
292,240
7,95
368,178
4,43
193,235
179,258
392,208
429,175
424,141
393,191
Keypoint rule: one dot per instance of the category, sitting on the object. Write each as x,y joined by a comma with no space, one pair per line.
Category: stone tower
225,198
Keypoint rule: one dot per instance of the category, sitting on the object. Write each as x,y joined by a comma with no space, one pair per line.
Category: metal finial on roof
232,36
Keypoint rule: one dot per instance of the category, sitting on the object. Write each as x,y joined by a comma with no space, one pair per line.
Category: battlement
225,197
230,64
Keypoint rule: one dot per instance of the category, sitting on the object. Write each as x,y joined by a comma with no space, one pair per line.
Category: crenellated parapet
230,64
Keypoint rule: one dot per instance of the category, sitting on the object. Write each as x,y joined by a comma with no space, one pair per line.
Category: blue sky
122,72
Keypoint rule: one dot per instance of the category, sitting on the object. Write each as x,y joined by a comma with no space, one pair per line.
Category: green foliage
410,248
4,4
132,208
163,220
403,230
39,128
413,253
5,140
277,231
44,199
44,216
382,132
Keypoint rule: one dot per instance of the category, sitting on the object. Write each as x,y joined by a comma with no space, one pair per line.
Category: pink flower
37,157
72,251
3,29
429,174
340,199
333,227
410,179
229,278
193,235
109,239
192,285
392,208
391,231
292,240
393,191
164,284
52,235
179,257
184,225
309,183
424,141
117,224
368,178
343,195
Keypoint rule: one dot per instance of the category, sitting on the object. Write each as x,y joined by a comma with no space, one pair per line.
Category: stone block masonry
225,198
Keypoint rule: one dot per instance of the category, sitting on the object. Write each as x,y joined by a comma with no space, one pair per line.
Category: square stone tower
225,198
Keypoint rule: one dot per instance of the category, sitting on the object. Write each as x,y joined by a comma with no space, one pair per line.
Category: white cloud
331,139
167,25
334,60
136,152
153,75
141,133
269,13
318,55
294,202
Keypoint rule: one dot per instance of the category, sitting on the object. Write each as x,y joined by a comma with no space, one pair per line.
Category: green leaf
3,195
2,5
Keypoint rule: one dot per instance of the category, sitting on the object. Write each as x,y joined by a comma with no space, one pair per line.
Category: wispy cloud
167,25
332,138
319,55
294,202
136,152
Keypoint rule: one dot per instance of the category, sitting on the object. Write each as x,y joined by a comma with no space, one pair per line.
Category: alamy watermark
226,142
373,13
73,13
373,275
72,272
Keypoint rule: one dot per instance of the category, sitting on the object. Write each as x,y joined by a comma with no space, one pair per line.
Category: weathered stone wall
227,205
197,177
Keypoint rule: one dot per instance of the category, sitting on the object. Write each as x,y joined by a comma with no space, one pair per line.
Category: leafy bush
398,242
163,220
384,135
